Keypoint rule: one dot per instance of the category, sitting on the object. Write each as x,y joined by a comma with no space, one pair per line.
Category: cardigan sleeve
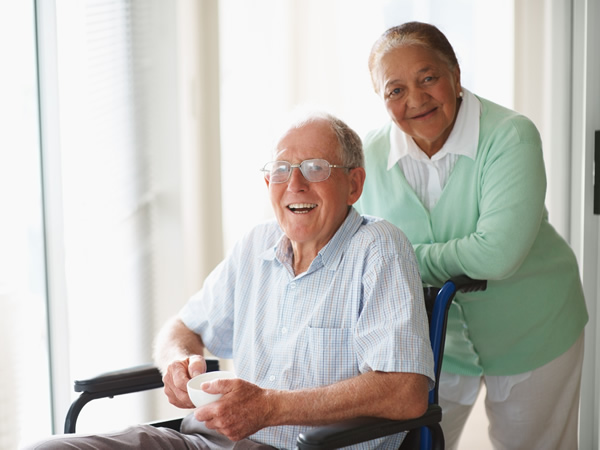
511,188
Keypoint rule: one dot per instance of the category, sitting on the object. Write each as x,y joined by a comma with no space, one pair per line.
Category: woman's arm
511,208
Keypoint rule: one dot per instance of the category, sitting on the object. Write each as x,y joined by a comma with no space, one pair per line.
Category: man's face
310,213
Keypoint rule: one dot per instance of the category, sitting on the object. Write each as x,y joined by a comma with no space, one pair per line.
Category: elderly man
321,311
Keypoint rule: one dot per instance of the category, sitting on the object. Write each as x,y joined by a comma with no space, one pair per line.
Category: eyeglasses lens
314,170
278,172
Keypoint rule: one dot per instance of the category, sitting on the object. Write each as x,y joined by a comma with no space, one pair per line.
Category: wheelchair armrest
119,382
134,379
363,429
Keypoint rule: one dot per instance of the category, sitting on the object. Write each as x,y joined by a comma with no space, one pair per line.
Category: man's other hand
176,377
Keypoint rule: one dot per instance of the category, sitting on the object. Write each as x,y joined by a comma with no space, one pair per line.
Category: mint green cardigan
489,223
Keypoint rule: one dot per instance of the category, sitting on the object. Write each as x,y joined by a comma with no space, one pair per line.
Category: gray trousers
193,435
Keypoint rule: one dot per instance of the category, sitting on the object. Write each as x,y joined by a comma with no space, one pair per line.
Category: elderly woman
464,179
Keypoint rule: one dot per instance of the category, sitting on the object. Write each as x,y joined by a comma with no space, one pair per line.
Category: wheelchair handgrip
466,284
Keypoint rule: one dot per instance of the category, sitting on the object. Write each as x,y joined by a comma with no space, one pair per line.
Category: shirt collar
330,255
463,139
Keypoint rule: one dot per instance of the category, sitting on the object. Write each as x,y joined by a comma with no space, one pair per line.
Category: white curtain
137,163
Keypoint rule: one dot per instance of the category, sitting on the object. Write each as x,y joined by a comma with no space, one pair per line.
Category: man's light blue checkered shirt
358,308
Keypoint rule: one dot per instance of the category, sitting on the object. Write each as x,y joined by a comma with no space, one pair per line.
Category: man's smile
301,208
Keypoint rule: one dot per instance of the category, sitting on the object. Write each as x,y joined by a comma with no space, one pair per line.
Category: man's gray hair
351,149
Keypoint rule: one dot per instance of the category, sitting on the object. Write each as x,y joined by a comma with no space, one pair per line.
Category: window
90,188
99,171
25,386
111,184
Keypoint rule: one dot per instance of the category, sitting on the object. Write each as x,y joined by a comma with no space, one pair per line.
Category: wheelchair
424,432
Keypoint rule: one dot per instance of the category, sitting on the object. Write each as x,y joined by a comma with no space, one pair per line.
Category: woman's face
420,93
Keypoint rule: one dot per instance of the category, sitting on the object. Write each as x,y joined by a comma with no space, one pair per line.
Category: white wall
543,93
585,226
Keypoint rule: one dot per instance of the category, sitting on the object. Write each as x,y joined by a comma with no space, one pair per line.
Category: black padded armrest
363,429
134,379
118,382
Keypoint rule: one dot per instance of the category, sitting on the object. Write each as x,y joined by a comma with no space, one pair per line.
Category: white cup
197,395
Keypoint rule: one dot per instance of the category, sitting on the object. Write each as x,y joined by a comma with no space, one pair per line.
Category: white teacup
197,395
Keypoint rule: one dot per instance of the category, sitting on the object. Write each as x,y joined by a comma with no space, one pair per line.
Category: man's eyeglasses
314,170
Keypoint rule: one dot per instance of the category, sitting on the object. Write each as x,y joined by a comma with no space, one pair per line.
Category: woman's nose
416,97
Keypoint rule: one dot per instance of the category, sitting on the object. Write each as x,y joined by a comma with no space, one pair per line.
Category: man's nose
297,182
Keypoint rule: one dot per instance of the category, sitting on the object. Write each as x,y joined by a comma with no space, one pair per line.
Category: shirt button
293,286
272,378
284,330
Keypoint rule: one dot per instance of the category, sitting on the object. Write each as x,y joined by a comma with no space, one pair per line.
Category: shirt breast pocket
331,353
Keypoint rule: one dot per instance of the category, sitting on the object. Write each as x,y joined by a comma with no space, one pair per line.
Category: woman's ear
457,84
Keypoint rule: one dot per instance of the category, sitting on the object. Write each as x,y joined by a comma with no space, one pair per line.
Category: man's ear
357,181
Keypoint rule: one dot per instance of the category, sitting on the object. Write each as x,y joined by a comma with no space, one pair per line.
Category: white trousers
535,410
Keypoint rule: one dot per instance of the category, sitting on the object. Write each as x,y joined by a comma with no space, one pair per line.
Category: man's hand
177,375
243,409
246,408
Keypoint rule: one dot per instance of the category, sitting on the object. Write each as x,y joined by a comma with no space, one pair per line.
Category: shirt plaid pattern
359,307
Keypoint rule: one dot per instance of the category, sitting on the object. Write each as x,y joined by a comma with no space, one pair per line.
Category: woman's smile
424,116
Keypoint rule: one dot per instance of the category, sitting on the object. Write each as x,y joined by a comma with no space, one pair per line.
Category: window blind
104,67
